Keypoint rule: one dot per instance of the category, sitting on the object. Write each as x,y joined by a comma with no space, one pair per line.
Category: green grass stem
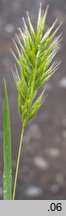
17,165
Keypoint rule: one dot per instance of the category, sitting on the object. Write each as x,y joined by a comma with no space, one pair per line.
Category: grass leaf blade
7,173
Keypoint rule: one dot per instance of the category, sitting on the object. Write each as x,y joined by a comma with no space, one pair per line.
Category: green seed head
34,63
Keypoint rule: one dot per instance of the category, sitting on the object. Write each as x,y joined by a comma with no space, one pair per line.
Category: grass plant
34,53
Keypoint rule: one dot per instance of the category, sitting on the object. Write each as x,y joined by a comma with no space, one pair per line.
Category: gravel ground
42,173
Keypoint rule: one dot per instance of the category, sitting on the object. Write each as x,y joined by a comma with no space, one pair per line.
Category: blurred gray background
42,173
